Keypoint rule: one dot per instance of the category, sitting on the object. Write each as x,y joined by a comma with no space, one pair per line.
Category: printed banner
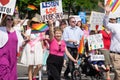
7,6
95,41
51,10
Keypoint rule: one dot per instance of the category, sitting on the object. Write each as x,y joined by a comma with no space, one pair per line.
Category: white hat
113,16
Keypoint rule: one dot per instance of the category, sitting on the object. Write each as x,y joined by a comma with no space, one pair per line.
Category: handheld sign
96,18
51,10
7,6
97,58
95,41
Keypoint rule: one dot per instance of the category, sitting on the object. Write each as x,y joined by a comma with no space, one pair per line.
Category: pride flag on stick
31,7
114,4
39,27
81,46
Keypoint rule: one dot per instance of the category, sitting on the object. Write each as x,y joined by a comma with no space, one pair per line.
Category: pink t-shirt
56,49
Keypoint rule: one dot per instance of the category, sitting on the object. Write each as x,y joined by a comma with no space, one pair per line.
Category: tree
74,5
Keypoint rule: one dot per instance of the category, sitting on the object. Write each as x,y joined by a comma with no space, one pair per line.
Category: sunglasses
112,19
8,19
73,21
59,47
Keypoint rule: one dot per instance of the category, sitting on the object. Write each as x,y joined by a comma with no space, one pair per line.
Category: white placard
96,18
95,41
51,10
7,6
97,58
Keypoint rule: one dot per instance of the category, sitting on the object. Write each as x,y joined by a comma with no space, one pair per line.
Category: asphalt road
23,74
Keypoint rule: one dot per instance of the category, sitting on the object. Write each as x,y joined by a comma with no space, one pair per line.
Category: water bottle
79,61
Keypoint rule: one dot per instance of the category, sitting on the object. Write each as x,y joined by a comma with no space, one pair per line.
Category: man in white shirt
115,41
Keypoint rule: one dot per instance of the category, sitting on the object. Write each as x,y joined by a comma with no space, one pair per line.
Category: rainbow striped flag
81,46
114,4
31,7
40,27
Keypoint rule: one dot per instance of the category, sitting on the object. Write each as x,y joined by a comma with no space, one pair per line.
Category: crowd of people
61,42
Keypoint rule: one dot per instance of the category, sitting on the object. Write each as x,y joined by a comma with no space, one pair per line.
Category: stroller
89,70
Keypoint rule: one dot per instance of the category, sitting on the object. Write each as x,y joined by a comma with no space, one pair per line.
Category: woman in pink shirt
56,55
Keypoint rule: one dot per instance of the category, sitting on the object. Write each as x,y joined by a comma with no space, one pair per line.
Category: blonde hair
57,29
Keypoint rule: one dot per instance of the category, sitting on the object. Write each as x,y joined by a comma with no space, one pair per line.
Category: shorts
106,54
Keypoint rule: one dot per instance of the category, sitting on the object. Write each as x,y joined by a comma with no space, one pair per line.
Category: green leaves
75,5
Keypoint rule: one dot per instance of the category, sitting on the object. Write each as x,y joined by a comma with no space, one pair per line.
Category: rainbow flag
31,7
114,4
39,27
81,46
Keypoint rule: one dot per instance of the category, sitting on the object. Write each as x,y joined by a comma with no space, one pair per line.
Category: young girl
96,63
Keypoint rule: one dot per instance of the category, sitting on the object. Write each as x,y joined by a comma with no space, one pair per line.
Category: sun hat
35,19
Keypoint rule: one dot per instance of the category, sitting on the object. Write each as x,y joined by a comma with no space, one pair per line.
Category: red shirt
106,39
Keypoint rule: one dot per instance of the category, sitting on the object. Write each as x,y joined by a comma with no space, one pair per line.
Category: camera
75,44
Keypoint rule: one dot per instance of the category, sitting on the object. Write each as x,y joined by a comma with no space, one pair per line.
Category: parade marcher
110,23
107,41
10,41
63,24
79,23
96,52
32,54
56,54
18,23
72,35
